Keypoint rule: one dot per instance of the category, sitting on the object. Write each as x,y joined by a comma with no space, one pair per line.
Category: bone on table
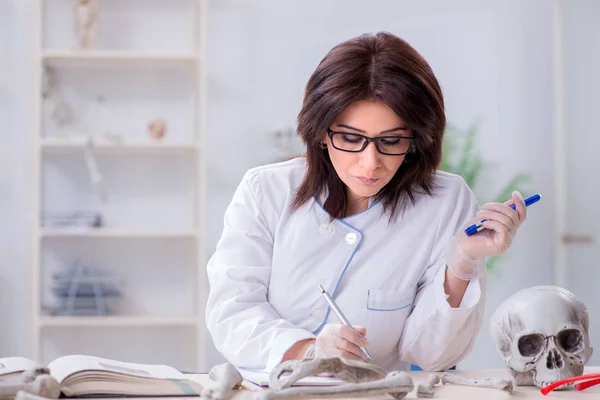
346,370
36,381
425,390
227,378
396,384
486,382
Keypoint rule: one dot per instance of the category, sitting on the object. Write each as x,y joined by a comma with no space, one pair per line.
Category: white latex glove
501,225
337,340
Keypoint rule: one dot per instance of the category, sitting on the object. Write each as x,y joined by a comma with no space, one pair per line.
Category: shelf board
116,56
116,233
65,144
115,321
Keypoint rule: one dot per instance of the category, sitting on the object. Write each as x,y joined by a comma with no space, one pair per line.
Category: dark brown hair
380,67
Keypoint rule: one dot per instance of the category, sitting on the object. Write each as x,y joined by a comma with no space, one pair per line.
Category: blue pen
473,229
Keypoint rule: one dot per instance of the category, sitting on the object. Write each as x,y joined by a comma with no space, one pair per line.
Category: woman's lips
367,181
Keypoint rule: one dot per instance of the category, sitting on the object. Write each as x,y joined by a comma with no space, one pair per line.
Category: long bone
227,378
486,382
346,370
36,381
396,384
425,390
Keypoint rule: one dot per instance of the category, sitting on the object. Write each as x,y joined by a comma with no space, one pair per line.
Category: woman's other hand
501,225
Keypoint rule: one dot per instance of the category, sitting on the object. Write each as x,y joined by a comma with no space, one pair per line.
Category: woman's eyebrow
351,127
400,128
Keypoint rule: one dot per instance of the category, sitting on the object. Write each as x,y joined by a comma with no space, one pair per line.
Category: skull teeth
542,384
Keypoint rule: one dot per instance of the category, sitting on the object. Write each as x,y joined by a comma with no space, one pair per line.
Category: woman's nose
370,158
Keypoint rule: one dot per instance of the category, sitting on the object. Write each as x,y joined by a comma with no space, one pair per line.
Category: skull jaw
547,377
556,365
543,378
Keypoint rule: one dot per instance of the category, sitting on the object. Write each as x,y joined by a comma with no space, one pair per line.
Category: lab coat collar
322,197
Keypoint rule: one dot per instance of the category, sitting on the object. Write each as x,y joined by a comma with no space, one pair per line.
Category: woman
366,215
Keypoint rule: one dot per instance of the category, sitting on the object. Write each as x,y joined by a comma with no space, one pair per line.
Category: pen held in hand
473,229
341,316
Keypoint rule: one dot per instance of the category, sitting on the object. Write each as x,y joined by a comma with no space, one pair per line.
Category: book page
261,378
10,365
62,367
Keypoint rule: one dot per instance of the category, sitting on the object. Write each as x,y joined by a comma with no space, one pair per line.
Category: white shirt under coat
265,272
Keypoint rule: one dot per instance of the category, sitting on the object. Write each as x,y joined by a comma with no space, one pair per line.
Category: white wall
493,60
14,174
582,143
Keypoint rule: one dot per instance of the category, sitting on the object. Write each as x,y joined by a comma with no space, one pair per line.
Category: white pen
341,316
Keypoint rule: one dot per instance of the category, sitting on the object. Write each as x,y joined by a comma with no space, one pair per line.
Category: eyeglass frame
368,140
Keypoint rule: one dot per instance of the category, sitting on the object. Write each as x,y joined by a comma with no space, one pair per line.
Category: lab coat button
351,238
325,228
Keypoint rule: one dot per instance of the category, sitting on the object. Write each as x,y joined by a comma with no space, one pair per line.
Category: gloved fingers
520,207
350,350
495,226
505,210
503,239
361,329
350,356
334,346
497,216
353,335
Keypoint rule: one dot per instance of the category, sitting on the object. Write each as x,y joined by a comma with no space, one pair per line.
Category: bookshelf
53,144
117,321
70,56
119,234
152,219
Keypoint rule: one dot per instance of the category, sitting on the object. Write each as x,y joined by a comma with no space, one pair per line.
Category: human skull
542,334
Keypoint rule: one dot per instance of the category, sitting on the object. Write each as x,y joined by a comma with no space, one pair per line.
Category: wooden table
454,392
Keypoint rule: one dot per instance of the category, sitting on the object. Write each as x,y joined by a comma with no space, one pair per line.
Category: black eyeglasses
355,143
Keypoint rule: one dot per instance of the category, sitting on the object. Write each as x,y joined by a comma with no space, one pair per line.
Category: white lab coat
265,272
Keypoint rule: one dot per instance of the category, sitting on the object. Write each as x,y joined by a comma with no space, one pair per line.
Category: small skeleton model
86,20
36,382
542,334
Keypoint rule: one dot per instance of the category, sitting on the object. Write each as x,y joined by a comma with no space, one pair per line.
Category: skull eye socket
570,340
531,345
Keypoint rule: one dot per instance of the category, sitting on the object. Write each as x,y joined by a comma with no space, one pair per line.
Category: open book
80,375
